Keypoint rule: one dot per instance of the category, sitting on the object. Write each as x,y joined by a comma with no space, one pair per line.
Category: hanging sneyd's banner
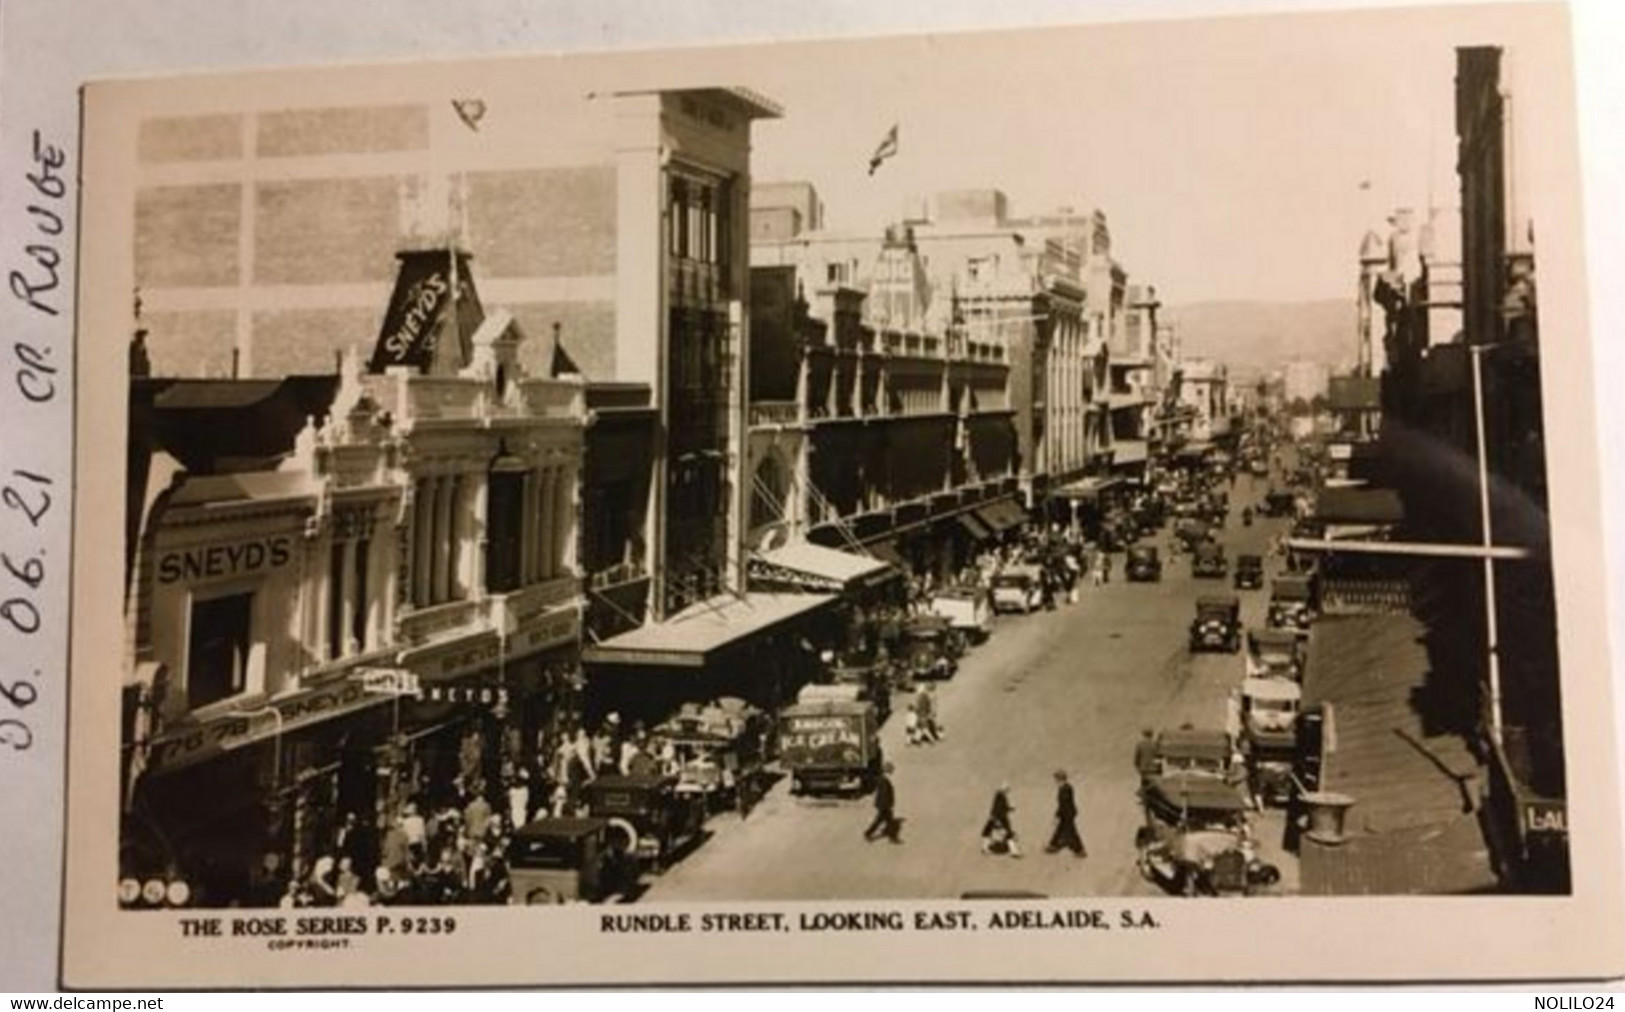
421,291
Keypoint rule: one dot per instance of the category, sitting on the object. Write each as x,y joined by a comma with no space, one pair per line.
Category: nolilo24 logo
1605,1001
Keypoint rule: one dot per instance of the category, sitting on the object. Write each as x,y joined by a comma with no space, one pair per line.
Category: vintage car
929,648
1017,588
1275,653
872,682
830,746
568,860
1217,625
1278,503
1292,603
968,610
1207,560
1197,839
1269,736
1215,508
1192,533
1144,564
720,748
1209,751
653,818
1249,572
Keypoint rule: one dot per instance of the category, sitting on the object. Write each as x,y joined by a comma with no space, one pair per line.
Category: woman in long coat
998,835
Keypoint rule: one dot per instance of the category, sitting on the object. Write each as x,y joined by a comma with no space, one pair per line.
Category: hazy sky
1227,154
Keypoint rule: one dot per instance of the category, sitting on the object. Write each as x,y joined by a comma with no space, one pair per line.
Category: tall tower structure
1369,333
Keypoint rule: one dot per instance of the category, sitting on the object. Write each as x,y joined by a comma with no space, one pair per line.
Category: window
335,602
217,649
504,548
359,602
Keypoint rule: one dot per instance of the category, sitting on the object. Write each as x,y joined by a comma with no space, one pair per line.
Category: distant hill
1256,337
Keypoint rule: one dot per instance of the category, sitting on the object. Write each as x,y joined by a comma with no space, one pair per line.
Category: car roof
569,828
1218,601
1271,688
1186,790
1194,741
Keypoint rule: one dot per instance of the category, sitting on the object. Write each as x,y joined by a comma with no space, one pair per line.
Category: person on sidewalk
926,705
885,822
998,835
1066,820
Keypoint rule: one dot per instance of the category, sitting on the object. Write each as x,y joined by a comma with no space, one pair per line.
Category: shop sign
392,682
484,695
1545,817
766,572
212,562
195,742
549,632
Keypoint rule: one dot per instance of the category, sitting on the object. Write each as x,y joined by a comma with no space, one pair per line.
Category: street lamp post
1492,645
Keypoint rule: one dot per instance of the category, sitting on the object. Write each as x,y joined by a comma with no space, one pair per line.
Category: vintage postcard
1111,503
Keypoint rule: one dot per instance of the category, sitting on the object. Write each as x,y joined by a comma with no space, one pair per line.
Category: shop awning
1001,516
1359,506
974,527
689,638
818,568
1087,488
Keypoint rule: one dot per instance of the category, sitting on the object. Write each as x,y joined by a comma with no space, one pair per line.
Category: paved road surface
1068,689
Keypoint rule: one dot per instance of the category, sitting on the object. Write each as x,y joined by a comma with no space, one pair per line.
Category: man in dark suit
885,822
1066,820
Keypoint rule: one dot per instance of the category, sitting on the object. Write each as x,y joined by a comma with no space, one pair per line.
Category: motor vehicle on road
1217,625
567,860
1017,588
1249,572
1208,561
1144,564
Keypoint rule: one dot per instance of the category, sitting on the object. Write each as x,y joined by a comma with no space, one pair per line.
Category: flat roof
689,637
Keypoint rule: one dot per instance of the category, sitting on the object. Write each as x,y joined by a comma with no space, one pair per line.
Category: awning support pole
1492,632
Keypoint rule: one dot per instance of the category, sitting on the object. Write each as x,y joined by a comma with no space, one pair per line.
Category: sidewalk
1411,830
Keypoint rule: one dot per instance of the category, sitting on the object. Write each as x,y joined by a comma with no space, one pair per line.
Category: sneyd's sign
211,562
422,290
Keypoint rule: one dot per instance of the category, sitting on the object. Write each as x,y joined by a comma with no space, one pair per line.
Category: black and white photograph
1029,474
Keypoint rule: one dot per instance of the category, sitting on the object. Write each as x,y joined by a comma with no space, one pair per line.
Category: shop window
217,649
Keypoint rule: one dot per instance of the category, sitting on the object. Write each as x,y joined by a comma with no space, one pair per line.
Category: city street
1069,689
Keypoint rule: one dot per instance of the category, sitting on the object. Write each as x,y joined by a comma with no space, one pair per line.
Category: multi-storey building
879,424
338,582
1463,348
1016,285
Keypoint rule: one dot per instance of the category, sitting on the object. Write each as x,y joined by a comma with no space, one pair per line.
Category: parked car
1249,572
968,610
1144,564
569,860
1269,733
1292,603
929,649
1017,588
654,815
1217,625
830,745
1207,560
1197,839
1275,653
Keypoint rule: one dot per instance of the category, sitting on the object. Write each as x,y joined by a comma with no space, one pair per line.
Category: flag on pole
887,148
